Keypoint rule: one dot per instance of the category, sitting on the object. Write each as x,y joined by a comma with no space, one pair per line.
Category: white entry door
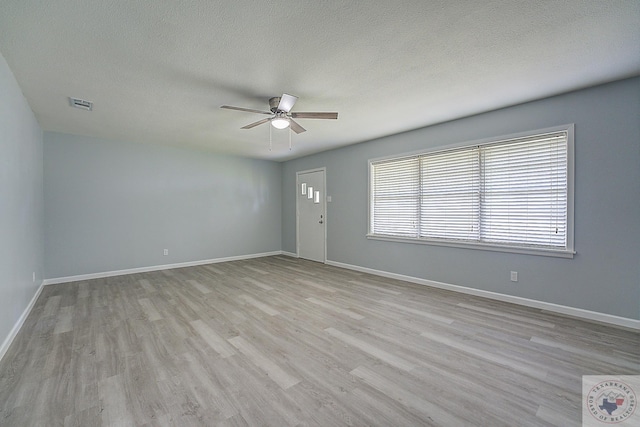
311,215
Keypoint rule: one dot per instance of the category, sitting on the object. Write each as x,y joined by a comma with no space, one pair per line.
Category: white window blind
450,195
525,192
512,193
396,197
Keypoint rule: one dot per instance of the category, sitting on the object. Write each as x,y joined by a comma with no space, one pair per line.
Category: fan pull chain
270,144
289,138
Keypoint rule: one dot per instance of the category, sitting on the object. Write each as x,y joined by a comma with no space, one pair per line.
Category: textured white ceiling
158,70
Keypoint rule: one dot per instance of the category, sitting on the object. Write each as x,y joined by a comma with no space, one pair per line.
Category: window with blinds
508,194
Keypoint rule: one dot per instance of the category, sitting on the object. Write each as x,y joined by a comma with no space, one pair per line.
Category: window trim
569,252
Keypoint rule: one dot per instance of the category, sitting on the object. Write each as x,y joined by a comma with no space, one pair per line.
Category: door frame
324,205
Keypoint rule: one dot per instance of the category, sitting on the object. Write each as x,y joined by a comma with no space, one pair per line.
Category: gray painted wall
112,205
604,276
21,211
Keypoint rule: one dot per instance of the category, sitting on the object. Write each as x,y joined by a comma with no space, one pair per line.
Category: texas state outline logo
610,400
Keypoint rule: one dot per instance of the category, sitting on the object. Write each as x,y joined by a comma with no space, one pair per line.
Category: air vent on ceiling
81,103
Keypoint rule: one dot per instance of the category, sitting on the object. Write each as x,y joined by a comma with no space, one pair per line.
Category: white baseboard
100,275
291,254
555,308
16,328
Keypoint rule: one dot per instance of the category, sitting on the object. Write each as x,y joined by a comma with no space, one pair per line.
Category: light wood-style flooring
280,341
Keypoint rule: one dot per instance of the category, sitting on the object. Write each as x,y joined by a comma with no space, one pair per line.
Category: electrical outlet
514,276
166,252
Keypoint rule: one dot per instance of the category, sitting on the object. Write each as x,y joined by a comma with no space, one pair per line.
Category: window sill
479,246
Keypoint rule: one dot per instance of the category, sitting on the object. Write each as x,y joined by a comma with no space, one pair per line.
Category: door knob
320,222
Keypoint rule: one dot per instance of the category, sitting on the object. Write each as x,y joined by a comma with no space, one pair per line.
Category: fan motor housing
273,103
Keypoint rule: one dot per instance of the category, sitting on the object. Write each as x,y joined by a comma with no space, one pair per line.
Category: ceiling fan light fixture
280,116
280,123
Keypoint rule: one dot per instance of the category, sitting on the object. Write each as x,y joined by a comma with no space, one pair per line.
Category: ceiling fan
281,115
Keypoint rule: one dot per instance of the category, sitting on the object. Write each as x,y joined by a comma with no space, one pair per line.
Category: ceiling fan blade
248,110
286,102
314,115
254,124
296,127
